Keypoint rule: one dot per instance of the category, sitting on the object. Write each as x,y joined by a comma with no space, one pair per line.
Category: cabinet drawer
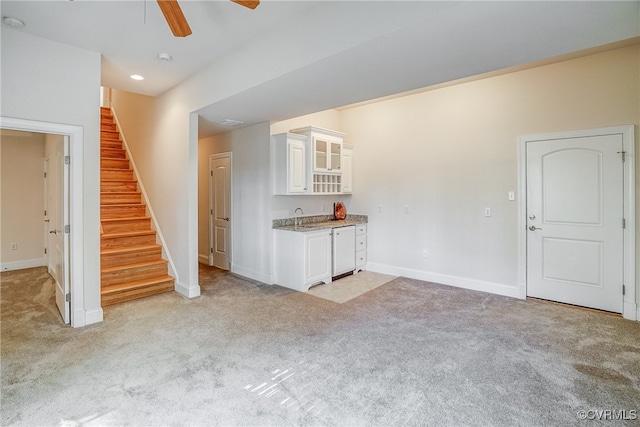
361,258
361,243
361,229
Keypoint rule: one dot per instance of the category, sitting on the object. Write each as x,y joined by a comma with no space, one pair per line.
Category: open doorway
35,208
74,225
215,216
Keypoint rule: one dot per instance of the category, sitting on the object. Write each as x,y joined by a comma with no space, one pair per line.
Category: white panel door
220,240
58,183
574,220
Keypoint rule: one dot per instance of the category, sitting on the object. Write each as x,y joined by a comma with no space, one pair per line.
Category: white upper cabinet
310,160
347,168
327,148
289,163
327,154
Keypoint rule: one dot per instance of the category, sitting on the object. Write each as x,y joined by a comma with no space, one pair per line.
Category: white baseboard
21,265
263,278
630,310
91,317
459,282
203,259
186,290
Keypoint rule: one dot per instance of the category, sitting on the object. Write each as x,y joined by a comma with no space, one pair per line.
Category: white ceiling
358,50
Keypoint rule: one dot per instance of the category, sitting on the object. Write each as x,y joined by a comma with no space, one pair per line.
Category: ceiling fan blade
247,3
175,18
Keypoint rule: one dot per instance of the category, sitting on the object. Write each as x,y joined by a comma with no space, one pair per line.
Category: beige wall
22,199
449,153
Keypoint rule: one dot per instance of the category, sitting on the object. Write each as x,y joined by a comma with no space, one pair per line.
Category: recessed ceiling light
13,22
137,77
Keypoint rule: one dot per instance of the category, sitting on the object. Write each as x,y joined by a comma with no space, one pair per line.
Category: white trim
186,290
203,259
79,286
212,157
21,265
193,287
165,251
629,306
443,279
262,278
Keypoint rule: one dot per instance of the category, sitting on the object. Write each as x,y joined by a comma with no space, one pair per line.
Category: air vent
230,123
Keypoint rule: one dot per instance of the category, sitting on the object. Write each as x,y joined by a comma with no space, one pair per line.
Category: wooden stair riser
117,241
116,174
124,274
122,211
129,255
125,225
108,126
110,135
115,163
118,186
113,153
114,297
106,143
120,198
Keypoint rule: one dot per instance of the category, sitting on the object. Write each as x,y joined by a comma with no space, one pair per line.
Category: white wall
22,200
449,153
55,83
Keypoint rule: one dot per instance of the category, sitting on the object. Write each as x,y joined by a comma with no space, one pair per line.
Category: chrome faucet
296,221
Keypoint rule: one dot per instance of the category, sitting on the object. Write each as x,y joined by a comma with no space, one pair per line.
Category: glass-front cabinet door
327,155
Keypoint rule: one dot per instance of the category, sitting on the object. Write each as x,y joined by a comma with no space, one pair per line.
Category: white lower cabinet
302,259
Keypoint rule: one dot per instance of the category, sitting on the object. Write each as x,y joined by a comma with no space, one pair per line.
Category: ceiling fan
178,23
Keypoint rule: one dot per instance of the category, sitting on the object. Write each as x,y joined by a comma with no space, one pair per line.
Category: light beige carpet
350,287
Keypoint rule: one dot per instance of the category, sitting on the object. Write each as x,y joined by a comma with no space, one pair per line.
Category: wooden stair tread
125,205
126,249
115,193
134,265
130,218
129,233
136,284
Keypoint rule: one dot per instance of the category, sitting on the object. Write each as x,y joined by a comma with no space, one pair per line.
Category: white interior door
220,211
58,215
574,214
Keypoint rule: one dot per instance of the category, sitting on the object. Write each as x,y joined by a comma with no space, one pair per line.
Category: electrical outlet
406,209
14,246
512,196
487,211
379,208
425,253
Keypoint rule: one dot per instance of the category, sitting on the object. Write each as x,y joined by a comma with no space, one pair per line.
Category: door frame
629,307
212,157
76,217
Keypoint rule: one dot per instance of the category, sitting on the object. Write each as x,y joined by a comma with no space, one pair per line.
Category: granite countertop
318,222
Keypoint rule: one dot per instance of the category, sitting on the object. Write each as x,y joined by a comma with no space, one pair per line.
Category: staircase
131,260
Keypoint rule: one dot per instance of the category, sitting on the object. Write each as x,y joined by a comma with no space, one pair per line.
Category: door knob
225,219
532,216
53,232
534,228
